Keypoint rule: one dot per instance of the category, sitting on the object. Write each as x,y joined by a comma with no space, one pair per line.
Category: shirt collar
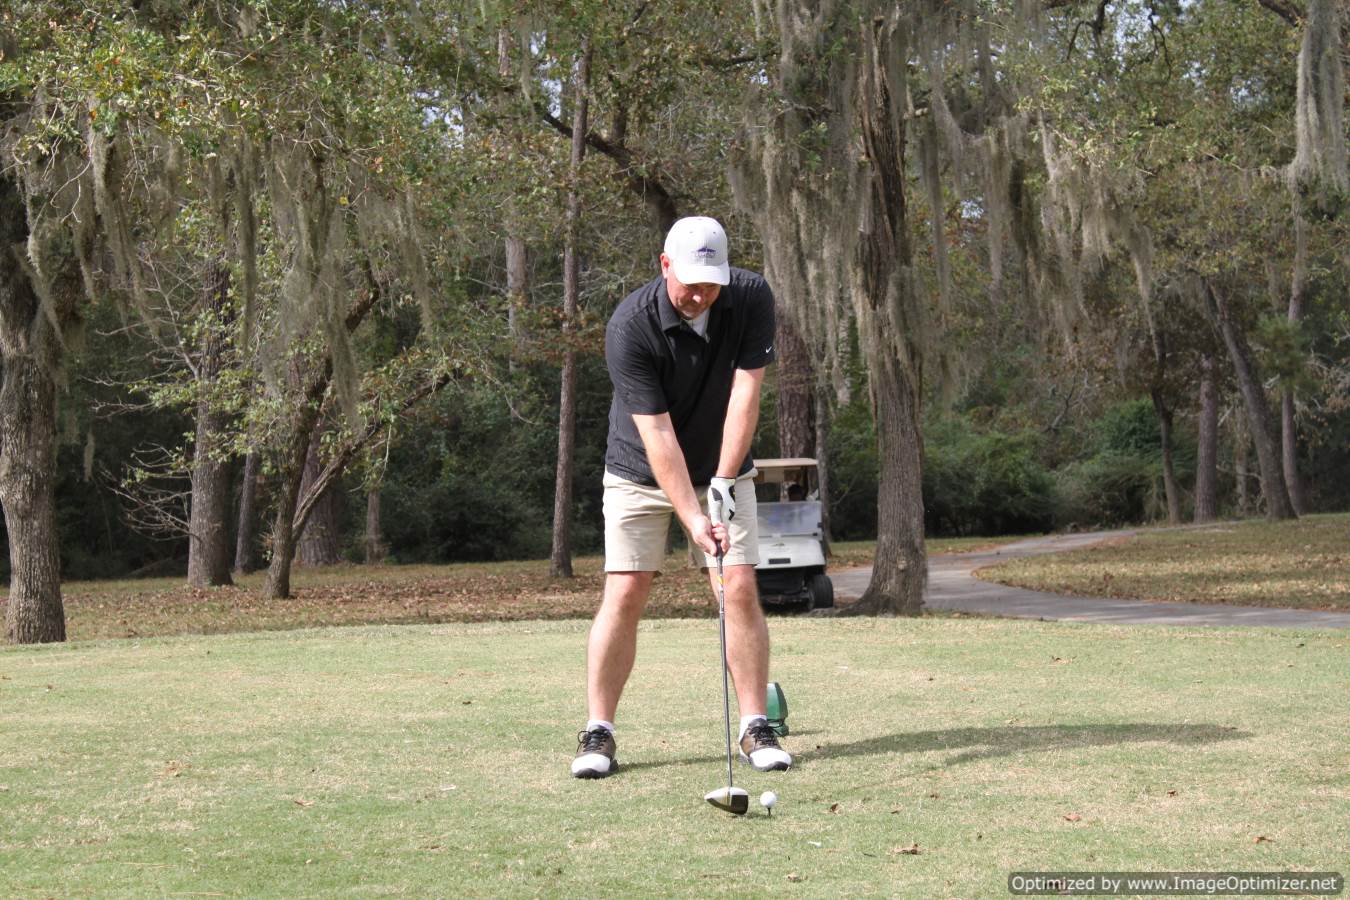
671,320
665,310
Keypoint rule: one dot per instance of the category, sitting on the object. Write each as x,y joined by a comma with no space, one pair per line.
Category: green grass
432,761
1303,564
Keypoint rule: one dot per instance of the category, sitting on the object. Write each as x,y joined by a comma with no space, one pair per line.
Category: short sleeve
633,371
756,350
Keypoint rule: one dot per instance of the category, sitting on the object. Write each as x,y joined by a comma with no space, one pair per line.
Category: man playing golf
686,353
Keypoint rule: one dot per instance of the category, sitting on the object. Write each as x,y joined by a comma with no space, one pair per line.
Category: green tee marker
777,709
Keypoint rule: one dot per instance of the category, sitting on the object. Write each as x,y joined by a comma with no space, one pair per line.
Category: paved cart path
951,586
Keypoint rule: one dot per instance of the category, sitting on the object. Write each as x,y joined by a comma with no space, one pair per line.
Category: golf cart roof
791,462
775,471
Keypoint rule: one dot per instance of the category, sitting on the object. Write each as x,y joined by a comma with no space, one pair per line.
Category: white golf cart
791,568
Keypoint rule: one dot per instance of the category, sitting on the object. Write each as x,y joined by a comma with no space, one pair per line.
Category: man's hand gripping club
721,510
667,461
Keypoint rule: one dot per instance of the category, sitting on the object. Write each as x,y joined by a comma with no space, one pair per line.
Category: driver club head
731,799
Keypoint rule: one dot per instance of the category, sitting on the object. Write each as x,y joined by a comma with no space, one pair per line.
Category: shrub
1107,489
984,483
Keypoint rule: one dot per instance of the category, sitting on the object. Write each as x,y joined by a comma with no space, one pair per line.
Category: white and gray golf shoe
760,748
595,754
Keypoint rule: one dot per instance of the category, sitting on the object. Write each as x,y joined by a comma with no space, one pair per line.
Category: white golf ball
768,799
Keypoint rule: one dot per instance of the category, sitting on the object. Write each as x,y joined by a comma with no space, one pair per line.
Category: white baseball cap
697,247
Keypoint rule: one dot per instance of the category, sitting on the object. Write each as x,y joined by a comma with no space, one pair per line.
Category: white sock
746,720
592,724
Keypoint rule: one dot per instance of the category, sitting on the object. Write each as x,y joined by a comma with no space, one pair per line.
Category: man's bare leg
612,645
747,638
748,659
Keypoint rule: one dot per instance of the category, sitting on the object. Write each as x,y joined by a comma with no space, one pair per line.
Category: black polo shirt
658,364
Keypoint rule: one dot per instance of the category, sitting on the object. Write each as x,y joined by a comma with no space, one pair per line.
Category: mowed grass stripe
432,761
1303,564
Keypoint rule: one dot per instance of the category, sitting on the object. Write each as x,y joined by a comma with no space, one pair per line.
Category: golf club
730,798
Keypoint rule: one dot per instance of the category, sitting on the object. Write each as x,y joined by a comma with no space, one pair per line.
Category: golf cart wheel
822,591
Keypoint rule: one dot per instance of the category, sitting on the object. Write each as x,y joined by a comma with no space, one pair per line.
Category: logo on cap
705,253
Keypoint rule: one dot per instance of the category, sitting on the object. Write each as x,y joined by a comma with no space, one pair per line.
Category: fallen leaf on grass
911,850
304,803
1261,839
794,877
834,808
1171,793
1073,817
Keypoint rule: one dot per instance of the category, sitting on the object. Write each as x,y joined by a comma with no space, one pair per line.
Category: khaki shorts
637,519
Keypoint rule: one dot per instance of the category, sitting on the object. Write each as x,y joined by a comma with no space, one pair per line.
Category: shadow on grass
986,743
978,744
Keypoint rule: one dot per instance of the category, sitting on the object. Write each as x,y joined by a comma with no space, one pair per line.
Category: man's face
689,300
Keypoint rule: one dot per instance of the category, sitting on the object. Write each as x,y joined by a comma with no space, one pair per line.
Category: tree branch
1286,10
658,199
338,464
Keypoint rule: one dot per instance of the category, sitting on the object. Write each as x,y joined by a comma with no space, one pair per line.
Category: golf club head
731,799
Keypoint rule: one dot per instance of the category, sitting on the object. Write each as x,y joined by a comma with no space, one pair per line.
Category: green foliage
984,483
1180,112
1129,428
473,478
853,471
1107,489
1119,479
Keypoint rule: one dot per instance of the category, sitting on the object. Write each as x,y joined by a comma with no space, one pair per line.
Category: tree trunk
278,583
560,558
1242,446
516,260
34,613
1207,456
1254,398
1170,487
516,280
320,540
304,419
31,352
900,568
886,303
1288,427
245,545
796,377
1289,451
208,523
374,541
822,457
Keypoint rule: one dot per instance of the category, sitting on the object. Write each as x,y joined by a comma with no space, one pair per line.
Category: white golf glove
722,500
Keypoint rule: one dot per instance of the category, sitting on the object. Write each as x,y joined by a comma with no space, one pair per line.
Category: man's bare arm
672,475
742,416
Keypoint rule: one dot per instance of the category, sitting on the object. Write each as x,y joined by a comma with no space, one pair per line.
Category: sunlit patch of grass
1303,564
432,761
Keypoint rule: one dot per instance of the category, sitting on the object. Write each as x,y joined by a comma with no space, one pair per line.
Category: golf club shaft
722,630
